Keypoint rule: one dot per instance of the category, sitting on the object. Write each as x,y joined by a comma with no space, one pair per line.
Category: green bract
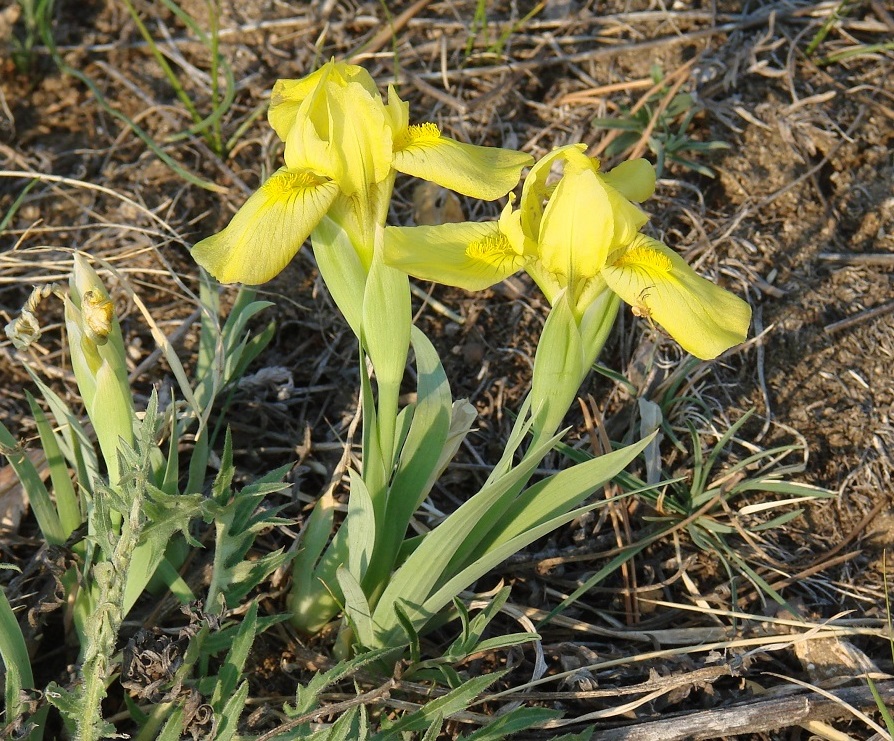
343,145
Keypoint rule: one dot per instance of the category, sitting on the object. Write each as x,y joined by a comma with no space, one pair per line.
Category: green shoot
666,127
498,45
36,21
141,133
818,38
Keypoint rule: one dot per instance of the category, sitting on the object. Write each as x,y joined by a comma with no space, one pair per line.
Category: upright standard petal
286,98
536,189
269,229
287,95
633,179
577,228
343,131
468,255
705,319
480,172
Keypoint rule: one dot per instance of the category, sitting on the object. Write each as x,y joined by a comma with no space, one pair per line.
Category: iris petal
628,217
286,98
633,179
577,227
342,131
705,319
479,172
535,190
287,95
268,230
469,255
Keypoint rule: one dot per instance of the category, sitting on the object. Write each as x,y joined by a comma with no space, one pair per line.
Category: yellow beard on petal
495,250
424,133
641,257
285,182
651,265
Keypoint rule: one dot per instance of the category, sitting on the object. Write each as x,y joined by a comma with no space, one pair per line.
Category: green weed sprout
497,46
667,124
578,238
36,17
856,50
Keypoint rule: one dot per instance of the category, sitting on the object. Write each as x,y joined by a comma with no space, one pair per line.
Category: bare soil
798,219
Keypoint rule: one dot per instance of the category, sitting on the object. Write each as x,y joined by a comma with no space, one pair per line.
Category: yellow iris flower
343,145
577,238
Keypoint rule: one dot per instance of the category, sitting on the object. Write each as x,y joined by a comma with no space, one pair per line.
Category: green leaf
385,336
596,578
67,504
231,671
557,494
41,504
171,578
777,521
423,452
558,369
426,451
340,266
882,708
357,609
505,641
512,722
619,124
173,727
806,491
453,702
434,729
238,517
229,717
314,537
474,628
315,594
345,728
78,449
170,477
361,527
17,664
411,632
386,324
307,696
246,576
427,565
493,557
222,639
166,515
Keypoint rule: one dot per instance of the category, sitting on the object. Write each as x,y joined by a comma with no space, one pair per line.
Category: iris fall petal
479,172
268,230
469,255
705,319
